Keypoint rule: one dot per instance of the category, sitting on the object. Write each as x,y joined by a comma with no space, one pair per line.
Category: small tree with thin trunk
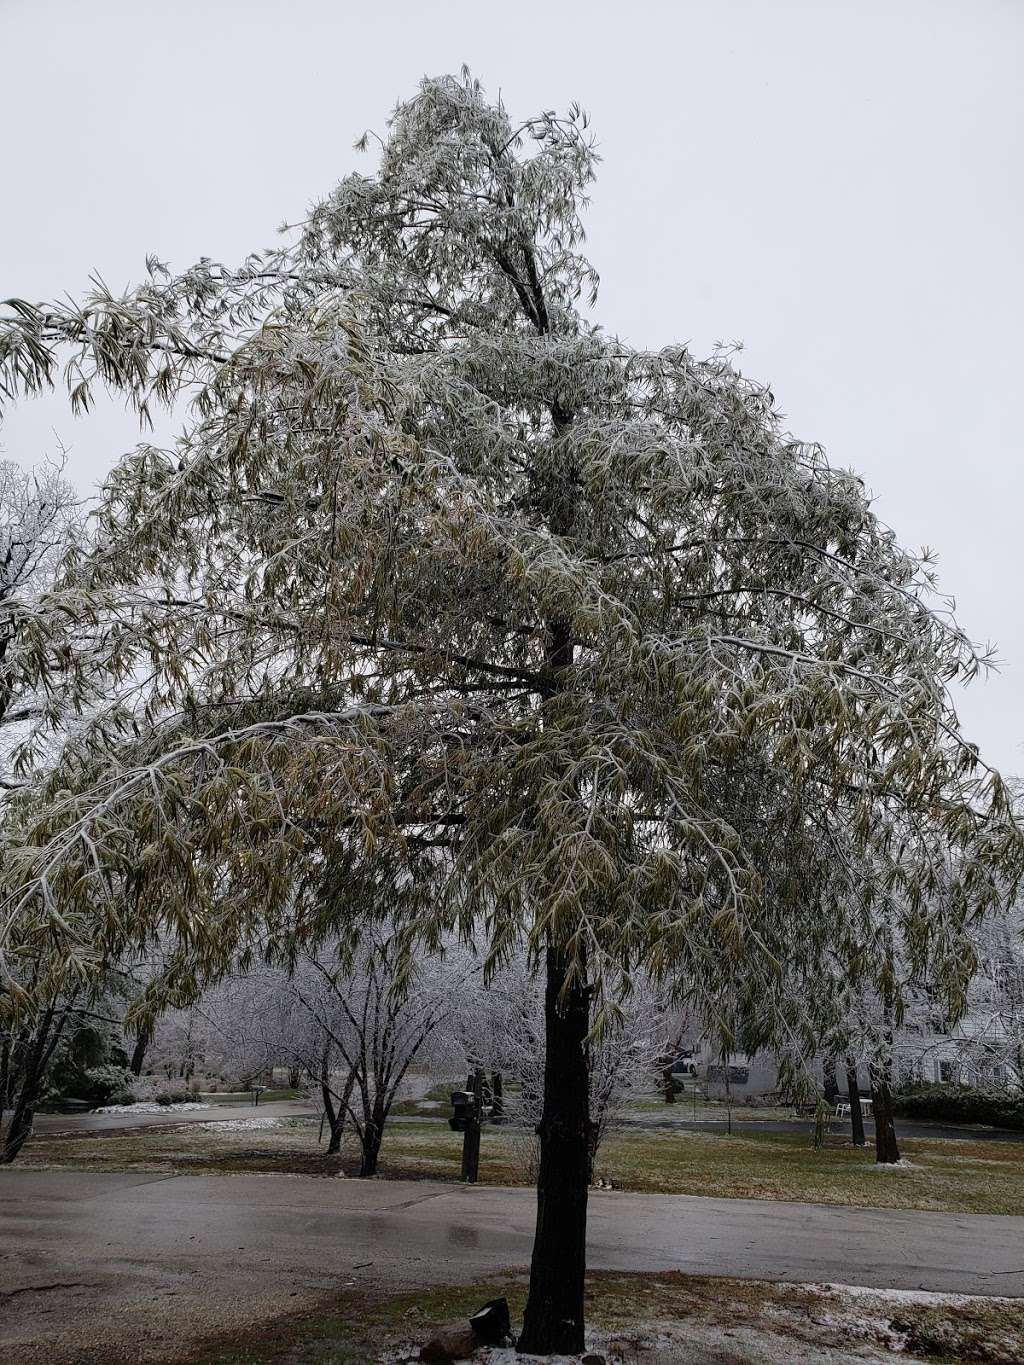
26,1052
377,1029
450,607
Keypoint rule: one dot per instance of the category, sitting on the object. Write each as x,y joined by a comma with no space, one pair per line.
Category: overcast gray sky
835,183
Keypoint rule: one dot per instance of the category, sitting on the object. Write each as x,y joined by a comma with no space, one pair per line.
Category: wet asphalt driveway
95,1263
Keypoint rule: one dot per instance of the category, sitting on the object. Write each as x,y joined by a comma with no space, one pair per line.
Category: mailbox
463,1110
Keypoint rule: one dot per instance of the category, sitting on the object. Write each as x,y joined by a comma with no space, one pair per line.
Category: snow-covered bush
109,1084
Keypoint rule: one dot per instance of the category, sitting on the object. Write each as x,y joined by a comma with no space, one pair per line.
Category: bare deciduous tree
502,1029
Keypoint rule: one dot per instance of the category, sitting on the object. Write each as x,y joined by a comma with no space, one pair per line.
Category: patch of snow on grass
928,1298
406,1352
238,1125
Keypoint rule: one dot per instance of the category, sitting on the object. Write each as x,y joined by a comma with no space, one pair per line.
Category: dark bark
497,1098
19,1130
335,1114
139,1052
335,1120
831,1080
39,1047
853,1094
593,1142
553,1320
471,1136
370,1138
668,1084
887,1152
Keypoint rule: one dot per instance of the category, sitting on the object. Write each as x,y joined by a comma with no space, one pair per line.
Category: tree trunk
335,1115
335,1120
831,1087
139,1053
853,1094
371,1138
294,1077
668,1084
880,1073
553,1320
887,1153
33,1069
593,1141
19,1130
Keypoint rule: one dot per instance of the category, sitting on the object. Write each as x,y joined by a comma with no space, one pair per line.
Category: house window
946,1073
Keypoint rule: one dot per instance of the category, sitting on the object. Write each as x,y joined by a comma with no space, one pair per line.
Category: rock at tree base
591,1358
457,1342
491,1323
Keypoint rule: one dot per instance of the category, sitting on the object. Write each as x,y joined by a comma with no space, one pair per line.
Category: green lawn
962,1177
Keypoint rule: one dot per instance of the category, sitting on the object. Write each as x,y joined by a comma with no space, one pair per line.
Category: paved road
98,1267
96,1253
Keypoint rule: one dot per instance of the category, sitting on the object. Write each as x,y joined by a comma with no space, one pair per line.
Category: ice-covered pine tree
447,605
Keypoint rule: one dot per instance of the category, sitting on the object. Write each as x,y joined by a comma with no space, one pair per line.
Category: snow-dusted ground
809,1324
144,1107
926,1298
238,1125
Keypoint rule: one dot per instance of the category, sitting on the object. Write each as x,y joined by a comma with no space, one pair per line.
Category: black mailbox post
468,1115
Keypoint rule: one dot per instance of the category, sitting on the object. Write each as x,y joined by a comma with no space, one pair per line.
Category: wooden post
471,1137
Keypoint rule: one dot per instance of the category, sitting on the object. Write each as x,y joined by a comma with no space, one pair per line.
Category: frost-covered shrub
961,1104
108,1084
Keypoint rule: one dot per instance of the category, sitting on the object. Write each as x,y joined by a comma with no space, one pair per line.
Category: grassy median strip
957,1177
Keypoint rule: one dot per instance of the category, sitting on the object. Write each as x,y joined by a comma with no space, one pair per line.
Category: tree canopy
447,602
